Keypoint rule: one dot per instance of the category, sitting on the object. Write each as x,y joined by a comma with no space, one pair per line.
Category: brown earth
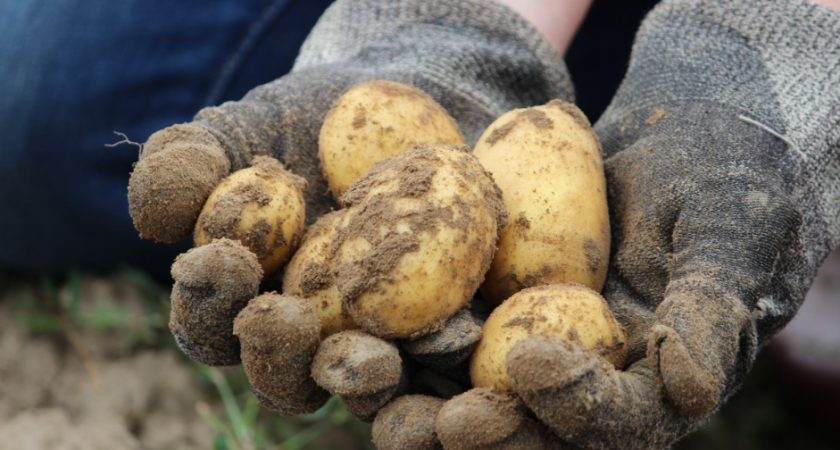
103,393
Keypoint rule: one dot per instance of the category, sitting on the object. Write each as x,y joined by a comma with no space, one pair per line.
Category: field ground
88,363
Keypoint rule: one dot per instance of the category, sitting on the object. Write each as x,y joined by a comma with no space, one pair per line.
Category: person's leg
75,71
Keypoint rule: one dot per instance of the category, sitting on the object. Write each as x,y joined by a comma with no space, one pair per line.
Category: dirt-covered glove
724,189
478,59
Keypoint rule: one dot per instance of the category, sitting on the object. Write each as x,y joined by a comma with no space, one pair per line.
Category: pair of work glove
722,150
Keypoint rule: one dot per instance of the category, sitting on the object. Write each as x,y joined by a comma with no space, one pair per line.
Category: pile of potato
425,224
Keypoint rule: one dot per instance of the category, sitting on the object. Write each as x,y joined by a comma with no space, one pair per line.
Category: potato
262,207
309,275
377,120
418,235
569,311
547,161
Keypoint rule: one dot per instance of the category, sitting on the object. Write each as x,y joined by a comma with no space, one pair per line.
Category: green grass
42,302
244,425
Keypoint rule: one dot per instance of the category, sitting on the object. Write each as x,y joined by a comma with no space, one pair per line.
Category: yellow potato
569,311
262,207
547,161
416,240
377,120
309,276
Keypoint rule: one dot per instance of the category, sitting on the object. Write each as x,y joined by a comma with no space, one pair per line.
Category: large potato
547,161
309,275
418,236
569,311
377,120
262,207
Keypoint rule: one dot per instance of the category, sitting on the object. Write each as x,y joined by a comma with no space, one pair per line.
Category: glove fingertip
690,389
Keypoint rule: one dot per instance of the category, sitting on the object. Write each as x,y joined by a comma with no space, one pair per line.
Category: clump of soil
139,398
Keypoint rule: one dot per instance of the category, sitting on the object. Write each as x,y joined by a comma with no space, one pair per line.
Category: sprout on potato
377,120
569,311
262,207
547,162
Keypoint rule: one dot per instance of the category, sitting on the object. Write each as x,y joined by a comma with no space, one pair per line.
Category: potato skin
376,120
547,161
569,311
418,236
262,207
309,276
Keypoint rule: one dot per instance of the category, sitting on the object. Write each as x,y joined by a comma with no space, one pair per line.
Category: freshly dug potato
309,276
377,120
418,235
569,311
262,207
547,161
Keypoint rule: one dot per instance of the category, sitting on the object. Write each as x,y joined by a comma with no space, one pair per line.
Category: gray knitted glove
724,190
476,58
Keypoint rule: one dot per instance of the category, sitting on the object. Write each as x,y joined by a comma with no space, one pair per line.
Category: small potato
262,207
416,240
309,275
377,120
568,311
547,161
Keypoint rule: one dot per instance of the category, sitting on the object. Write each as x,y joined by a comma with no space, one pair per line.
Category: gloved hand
478,59
723,171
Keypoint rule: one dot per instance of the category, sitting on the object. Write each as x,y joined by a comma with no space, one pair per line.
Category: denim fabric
72,72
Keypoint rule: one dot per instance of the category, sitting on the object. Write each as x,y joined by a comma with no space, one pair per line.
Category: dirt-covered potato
569,311
547,161
261,206
309,275
377,120
418,235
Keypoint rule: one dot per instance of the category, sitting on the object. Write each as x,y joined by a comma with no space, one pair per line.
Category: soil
116,397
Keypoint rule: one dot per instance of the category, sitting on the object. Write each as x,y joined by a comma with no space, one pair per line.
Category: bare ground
104,392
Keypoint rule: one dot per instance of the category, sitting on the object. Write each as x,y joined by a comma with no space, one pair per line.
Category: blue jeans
74,71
